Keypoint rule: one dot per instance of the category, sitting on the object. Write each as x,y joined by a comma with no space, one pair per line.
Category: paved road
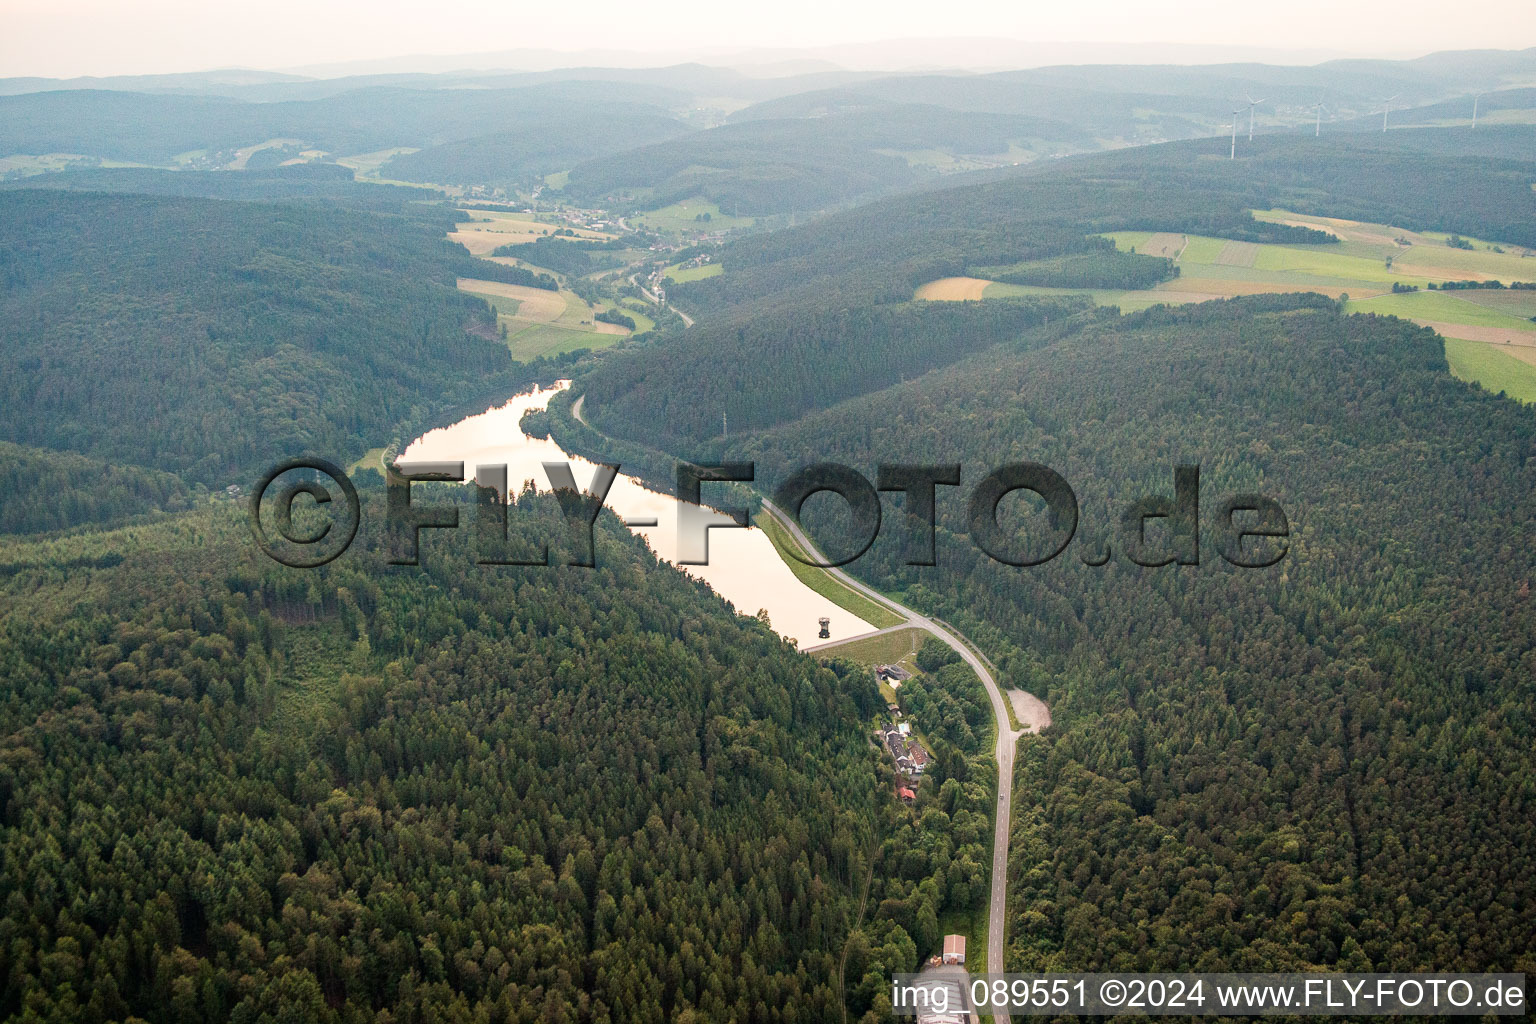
656,301
1006,737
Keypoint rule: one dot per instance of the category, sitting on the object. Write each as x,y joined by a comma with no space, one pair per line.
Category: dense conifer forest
46,490
235,792
880,251
765,370
1323,763
210,339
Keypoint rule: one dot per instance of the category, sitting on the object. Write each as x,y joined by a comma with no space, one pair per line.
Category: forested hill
771,369
880,251
329,184
781,165
1325,763
235,792
211,339
157,129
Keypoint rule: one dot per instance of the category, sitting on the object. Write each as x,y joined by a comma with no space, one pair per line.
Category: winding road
1007,736
656,301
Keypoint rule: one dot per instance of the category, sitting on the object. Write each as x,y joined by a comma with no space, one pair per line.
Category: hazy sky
102,37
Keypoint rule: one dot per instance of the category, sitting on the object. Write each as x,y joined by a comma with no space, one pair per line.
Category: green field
373,458
552,340
1491,368
1129,302
1356,266
892,648
1446,307
681,218
823,582
640,311
635,310
366,166
21,164
572,328
686,274
504,305
1516,302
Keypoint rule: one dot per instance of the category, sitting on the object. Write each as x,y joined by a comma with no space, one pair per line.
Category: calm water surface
744,568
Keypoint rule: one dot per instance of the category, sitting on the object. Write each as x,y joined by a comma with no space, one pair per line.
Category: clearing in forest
953,289
533,304
540,322
489,229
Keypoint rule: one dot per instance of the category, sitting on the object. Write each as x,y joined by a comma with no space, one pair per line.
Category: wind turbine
1251,104
1318,128
1386,105
1235,114
1475,97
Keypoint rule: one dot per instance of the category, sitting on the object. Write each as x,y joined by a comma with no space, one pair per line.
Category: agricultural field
365,166
686,218
945,162
243,156
487,229
1128,301
539,322
957,289
635,309
21,165
1361,267
373,458
1493,367
682,275
1456,307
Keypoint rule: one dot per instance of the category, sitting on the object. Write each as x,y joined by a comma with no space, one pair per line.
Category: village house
910,756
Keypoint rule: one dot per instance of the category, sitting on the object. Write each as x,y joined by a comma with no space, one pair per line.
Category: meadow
1360,268
1492,368
684,218
1454,307
682,275
489,229
898,647
539,322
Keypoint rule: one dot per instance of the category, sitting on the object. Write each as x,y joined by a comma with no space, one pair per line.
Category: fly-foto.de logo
1247,530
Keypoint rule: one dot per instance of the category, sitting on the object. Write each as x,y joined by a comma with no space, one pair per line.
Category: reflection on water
743,566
